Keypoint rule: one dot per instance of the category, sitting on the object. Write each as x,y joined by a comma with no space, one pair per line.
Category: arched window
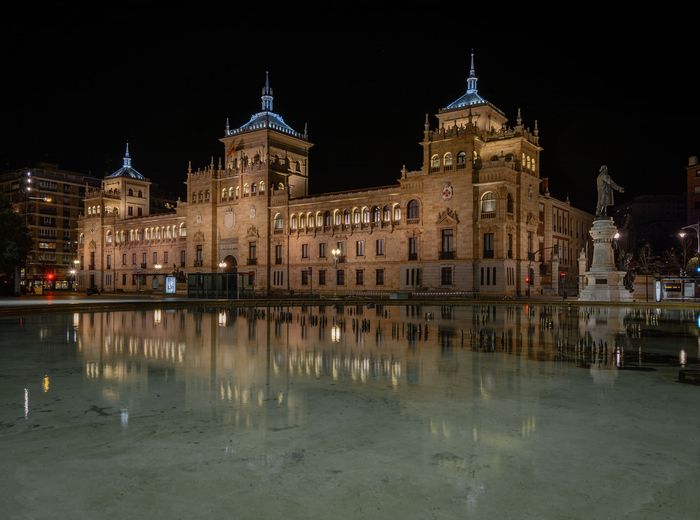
319,219
365,215
230,192
533,165
131,192
148,234
169,232
297,166
293,222
201,196
346,217
461,159
488,202
194,196
327,219
509,203
527,161
89,210
387,214
224,192
280,186
131,235
140,194
238,191
447,159
246,189
376,215
98,209
310,219
183,230
81,238
108,238
356,216
336,217
158,234
397,212
302,221
413,210
262,186
279,222
435,161
253,188
206,196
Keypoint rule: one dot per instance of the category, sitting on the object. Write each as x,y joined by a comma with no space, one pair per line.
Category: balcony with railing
252,261
488,253
413,256
446,255
199,263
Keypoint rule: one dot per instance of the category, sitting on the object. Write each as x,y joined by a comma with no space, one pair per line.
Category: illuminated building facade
475,218
50,200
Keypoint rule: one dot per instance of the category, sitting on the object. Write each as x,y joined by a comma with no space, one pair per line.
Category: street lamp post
157,267
682,236
336,256
74,272
696,228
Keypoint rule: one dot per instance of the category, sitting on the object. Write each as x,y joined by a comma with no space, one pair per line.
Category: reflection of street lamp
336,255
74,272
223,265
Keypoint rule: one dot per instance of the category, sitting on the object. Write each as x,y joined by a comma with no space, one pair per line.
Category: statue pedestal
603,282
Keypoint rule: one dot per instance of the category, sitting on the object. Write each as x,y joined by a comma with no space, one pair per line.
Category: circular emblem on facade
447,192
252,212
228,220
199,218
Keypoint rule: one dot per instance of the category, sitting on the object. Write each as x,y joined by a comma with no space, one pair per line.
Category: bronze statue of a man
605,192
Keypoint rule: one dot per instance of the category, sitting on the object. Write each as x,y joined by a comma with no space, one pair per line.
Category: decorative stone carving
252,232
448,216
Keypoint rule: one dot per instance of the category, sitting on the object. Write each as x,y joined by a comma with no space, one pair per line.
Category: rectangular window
133,258
305,250
322,250
182,258
380,247
304,277
482,277
510,245
380,276
123,278
155,257
143,259
140,212
341,246
198,256
278,254
322,277
488,245
447,244
252,250
529,243
360,248
165,258
109,261
493,275
130,211
413,248
360,277
124,259
340,277
488,276
446,276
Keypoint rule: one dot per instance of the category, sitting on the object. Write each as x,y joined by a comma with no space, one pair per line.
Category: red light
527,280
562,274
50,276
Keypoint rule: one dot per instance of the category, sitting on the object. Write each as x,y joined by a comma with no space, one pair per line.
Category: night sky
76,89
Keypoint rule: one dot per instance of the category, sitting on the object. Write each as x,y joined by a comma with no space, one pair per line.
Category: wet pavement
381,411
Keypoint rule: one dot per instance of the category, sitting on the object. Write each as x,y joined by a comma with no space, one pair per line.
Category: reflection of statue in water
605,192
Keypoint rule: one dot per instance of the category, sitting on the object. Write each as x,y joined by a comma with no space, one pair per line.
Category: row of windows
448,160
231,193
135,235
365,215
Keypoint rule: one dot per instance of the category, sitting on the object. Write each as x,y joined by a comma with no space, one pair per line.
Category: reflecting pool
378,411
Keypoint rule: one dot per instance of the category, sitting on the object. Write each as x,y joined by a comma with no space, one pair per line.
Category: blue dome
468,99
266,119
126,170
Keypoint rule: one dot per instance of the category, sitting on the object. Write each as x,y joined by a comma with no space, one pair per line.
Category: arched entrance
231,265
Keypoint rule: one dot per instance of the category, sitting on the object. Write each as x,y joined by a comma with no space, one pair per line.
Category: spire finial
127,159
519,119
227,127
267,94
471,81
306,129
426,125
189,166
537,130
